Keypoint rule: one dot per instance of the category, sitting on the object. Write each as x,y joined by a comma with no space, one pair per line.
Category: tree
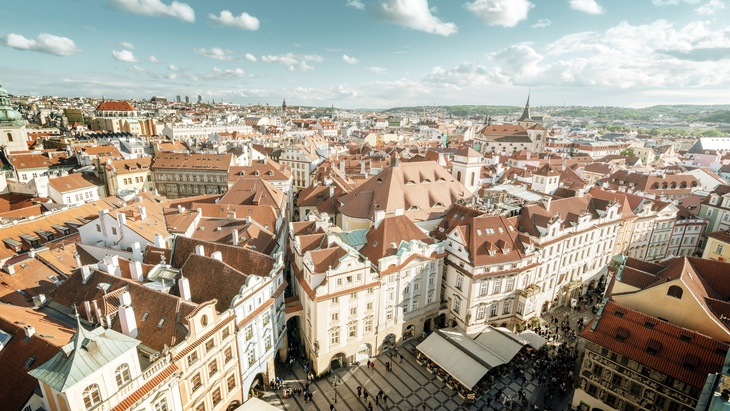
629,152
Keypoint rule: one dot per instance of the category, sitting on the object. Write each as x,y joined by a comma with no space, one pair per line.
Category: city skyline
372,54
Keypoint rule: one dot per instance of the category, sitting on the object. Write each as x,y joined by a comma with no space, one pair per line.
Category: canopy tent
535,340
255,404
467,359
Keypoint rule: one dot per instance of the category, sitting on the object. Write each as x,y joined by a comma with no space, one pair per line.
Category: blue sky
372,53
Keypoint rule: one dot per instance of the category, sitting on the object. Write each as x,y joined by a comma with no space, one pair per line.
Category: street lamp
336,382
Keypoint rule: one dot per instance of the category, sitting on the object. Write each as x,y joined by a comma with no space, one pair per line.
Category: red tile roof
674,355
115,106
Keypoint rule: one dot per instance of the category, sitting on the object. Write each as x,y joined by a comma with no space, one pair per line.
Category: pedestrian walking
368,363
359,391
372,366
424,407
401,358
365,394
385,399
370,406
332,407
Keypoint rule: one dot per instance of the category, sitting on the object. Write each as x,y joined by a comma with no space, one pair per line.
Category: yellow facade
717,250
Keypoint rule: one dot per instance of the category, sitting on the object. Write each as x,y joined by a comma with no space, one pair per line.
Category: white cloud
44,43
124,55
343,92
127,45
250,57
463,75
172,67
506,13
710,8
245,21
171,76
542,23
587,6
217,53
349,60
237,72
175,9
293,63
138,69
377,70
153,59
416,15
356,4
673,2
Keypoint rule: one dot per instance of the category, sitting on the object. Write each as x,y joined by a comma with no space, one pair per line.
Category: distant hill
681,112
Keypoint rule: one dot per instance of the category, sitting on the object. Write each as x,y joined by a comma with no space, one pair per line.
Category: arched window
122,375
458,176
92,396
675,291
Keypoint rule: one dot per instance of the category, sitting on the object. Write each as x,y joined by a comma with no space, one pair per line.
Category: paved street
410,385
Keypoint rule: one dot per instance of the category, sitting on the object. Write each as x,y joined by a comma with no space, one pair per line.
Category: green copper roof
8,115
87,352
353,238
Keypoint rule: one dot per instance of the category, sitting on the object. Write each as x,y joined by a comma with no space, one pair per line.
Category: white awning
450,357
255,404
533,339
504,343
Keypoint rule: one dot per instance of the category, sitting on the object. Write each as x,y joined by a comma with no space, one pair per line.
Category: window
216,397
349,279
249,332
352,330
353,310
457,305
481,312
114,230
429,298
484,288
520,308
334,337
231,381
616,379
459,281
493,310
431,280
635,389
407,290
122,375
209,345
228,354
416,284
368,325
200,407
507,307
251,355
369,306
339,282
92,396
353,295
195,382
718,249
335,316
335,300
192,358
415,304
675,291
161,405
497,287
510,284
389,313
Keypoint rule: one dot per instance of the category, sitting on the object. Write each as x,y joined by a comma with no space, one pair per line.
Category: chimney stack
29,331
183,285
122,219
135,270
142,213
159,241
378,217
127,321
199,249
85,273
235,237
77,257
136,252
217,255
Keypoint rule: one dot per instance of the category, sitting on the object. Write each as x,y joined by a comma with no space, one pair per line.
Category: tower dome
8,115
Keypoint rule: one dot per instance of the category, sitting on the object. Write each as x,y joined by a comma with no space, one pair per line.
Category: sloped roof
71,182
115,106
687,361
87,352
424,190
384,240
21,354
211,279
244,260
254,191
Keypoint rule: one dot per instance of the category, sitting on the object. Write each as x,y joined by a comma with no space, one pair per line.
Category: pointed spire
526,112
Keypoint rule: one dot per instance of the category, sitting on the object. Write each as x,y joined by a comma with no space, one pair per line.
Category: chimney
332,191
125,298
85,273
398,211
528,155
363,171
135,270
342,166
127,321
77,257
122,219
378,217
546,202
29,331
235,237
180,209
89,313
10,269
217,255
39,300
231,214
142,213
199,249
136,252
183,285
159,241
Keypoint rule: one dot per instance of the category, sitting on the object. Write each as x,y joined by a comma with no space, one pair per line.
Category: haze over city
372,54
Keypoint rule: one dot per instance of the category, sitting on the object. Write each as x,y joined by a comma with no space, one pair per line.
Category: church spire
526,112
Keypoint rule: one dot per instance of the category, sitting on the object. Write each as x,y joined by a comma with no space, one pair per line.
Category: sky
372,53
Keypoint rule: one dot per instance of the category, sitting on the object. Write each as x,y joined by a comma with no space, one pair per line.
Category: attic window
653,346
690,362
618,313
479,232
685,337
29,362
649,324
161,323
145,315
621,334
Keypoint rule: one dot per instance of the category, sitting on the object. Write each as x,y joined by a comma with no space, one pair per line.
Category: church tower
467,168
535,131
13,135
283,106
